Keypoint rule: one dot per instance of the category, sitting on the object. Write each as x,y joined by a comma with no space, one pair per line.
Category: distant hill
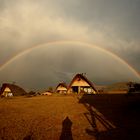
118,86
122,87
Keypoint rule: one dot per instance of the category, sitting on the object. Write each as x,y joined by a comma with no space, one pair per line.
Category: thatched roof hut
61,88
11,90
80,84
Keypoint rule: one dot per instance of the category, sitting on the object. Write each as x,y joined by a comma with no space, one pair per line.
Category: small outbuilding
9,90
48,93
80,84
61,88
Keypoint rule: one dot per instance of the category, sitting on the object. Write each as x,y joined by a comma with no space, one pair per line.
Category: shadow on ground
66,133
121,111
28,137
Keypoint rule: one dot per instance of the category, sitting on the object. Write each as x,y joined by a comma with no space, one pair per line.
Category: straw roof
16,90
81,76
61,85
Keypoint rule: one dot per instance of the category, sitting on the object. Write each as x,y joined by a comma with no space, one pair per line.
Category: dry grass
40,118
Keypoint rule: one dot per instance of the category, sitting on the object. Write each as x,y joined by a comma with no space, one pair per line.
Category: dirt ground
42,118
89,117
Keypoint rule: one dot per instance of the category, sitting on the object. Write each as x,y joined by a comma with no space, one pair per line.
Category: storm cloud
110,24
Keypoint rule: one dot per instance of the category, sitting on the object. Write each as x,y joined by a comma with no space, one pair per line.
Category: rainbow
71,42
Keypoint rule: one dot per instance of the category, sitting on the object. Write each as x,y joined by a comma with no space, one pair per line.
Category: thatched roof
81,76
61,85
16,90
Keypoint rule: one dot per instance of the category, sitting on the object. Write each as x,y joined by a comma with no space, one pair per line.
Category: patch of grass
40,117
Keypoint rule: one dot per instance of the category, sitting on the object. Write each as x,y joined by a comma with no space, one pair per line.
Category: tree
50,89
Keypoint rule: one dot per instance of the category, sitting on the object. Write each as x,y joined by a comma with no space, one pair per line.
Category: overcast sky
110,24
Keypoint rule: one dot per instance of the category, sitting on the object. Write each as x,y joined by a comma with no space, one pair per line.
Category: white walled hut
61,88
80,84
9,90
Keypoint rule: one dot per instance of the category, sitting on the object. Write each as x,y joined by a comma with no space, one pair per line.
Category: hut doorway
75,89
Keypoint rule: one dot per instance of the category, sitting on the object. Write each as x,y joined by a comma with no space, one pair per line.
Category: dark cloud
111,24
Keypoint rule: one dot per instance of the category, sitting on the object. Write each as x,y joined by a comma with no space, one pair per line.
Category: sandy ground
42,118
